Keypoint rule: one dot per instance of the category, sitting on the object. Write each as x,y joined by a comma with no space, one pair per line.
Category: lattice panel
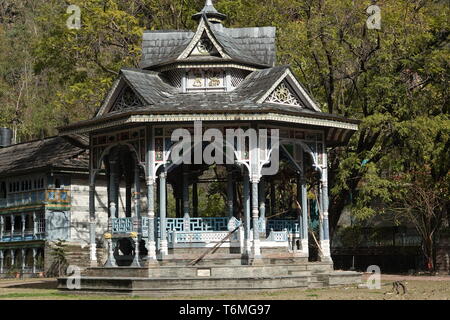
122,225
188,237
280,225
278,236
175,77
237,77
196,224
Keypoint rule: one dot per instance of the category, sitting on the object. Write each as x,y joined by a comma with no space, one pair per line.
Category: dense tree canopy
394,79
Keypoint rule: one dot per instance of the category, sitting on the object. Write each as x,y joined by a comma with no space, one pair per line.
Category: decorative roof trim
301,92
203,27
164,118
107,100
183,65
114,93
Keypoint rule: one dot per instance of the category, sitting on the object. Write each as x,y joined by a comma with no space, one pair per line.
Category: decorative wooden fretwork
126,99
135,137
283,95
204,47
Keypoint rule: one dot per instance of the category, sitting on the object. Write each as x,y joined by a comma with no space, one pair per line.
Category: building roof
54,152
250,46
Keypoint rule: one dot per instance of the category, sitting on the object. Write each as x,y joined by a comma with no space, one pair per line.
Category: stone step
162,286
316,284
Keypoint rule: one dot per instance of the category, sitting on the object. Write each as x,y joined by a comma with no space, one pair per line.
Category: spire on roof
211,13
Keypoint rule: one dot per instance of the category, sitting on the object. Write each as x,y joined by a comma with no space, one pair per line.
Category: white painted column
162,213
34,260
186,207
262,205
150,159
22,216
305,215
255,217
137,215
22,252
35,225
151,246
1,261
12,227
92,226
247,216
230,193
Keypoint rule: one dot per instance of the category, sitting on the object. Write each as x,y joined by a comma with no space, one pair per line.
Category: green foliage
58,252
395,80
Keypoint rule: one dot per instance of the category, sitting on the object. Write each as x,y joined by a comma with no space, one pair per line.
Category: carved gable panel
126,99
283,94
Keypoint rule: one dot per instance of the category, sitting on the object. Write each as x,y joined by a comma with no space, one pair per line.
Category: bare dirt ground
418,288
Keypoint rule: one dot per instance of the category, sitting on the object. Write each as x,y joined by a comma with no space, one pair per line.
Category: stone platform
173,277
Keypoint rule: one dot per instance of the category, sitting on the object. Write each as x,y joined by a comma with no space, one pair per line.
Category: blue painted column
230,193
1,261
162,212
2,227
186,206
246,209
255,217
325,234
92,224
137,215
12,227
305,214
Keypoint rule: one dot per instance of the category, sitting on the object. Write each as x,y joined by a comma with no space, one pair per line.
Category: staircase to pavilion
215,274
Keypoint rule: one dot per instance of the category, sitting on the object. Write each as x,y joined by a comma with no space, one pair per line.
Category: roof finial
211,13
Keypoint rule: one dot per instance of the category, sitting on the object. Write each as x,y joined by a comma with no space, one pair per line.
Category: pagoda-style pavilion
215,79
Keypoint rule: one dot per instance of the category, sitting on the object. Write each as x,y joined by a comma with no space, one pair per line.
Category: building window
2,190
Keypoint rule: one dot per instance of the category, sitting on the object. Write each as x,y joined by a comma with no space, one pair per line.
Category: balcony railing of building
22,232
43,196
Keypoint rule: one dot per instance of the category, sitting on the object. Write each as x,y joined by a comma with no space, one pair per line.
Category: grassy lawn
416,290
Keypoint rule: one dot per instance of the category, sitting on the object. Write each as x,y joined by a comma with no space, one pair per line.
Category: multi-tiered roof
213,73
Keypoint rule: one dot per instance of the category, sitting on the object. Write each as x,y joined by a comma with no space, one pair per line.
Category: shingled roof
54,152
